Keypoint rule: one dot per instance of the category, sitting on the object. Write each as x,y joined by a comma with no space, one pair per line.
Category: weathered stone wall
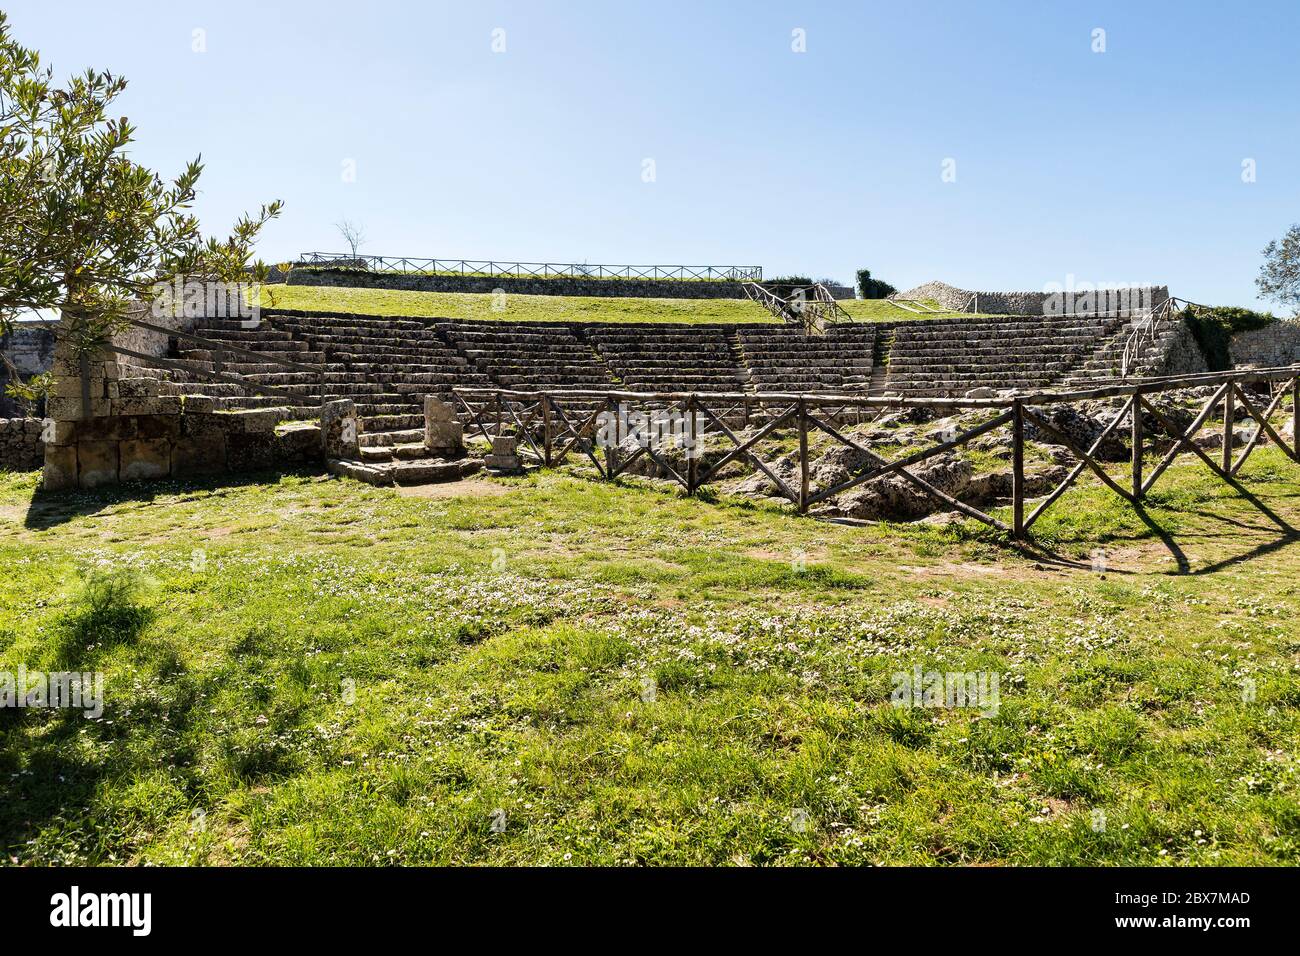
1029,303
124,430
1276,344
20,444
518,285
1182,355
30,347
193,441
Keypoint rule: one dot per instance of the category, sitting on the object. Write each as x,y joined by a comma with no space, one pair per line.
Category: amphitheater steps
880,358
1106,360
387,365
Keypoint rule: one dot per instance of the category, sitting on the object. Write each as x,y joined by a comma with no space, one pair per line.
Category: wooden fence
552,425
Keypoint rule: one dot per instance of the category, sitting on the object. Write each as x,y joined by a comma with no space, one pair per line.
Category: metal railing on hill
1147,329
537,270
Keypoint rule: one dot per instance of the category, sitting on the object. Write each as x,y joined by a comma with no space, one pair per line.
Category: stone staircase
785,359
386,365
947,357
662,358
1106,360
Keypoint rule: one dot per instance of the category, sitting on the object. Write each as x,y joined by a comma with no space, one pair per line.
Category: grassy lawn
882,310
547,308
513,308
555,670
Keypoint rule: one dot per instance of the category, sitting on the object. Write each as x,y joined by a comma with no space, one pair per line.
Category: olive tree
84,229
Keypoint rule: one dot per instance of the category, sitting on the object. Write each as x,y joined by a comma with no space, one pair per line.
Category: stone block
443,437
68,386
250,452
60,472
198,404
137,406
371,474
58,433
144,458
340,429
97,463
203,424
106,428
504,456
63,409
436,410
255,420
199,455
298,444
138,388
158,426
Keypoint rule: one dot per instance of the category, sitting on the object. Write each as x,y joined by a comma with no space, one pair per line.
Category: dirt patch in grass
454,489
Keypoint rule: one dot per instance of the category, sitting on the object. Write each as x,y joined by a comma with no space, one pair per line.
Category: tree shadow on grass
1287,535
56,759
51,509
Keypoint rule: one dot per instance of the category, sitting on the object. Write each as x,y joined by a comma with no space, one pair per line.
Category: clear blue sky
1117,166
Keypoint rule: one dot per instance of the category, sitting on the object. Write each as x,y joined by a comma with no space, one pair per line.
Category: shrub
105,613
870,288
786,286
1213,328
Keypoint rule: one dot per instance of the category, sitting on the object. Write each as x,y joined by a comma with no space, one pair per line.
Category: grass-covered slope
316,671
547,308
512,308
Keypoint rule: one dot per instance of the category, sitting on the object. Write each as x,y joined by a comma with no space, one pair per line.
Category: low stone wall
127,431
115,448
1038,303
20,444
518,285
1276,344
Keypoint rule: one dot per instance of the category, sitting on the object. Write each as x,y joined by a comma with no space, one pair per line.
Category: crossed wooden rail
814,309
551,427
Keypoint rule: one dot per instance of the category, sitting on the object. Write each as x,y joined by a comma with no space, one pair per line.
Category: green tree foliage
1213,329
83,228
1279,276
870,288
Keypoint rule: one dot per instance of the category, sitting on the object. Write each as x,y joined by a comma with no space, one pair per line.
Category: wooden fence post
1295,417
1018,470
1229,410
546,430
1137,441
803,457
693,450
611,443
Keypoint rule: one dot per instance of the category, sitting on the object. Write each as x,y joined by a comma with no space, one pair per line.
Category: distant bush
870,288
786,286
1213,328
